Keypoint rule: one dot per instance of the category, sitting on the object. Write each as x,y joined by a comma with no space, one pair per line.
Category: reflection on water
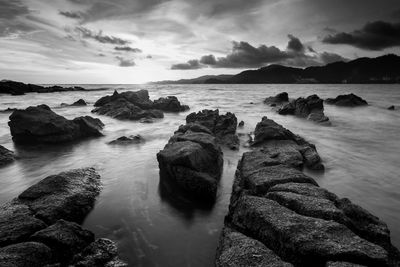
156,228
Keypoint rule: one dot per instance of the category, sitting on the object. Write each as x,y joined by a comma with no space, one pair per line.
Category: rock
64,238
241,124
6,156
222,126
277,100
342,264
102,252
17,223
78,103
140,99
123,140
67,195
28,254
41,125
169,104
236,249
122,109
18,88
350,100
8,110
391,108
311,108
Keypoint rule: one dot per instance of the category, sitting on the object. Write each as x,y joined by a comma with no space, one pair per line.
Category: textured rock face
311,108
37,228
41,125
6,156
277,100
280,216
169,104
192,160
350,100
222,126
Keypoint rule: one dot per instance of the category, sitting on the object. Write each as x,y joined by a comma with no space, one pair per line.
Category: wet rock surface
136,106
6,156
41,125
279,99
350,100
40,228
123,140
277,208
222,126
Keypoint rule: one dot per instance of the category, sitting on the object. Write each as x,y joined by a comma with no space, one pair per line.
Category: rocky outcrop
279,99
192,162
350,100
136,106
41,227
222,126
123,140
279,216
41,125
78,103
6,156
311,108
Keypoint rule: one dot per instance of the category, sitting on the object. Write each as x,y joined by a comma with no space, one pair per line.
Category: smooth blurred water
152,228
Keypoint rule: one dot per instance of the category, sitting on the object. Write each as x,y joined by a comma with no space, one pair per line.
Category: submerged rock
350,100
6,156
277,100
41,125
123,140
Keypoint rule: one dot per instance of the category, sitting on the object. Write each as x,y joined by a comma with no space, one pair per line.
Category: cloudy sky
136,41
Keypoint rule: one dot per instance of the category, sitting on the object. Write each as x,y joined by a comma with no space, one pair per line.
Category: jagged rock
311,108
123,140
17,223
28,254
277,100
67,195
236,249
64,238
41,125
140,99
350,100
222,126
6,156
169,104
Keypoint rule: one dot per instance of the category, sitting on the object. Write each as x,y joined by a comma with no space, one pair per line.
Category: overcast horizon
132,41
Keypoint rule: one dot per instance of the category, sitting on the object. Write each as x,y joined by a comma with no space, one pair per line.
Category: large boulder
6,156
350,100
27,254
140,99
311,108
169,104
222,126
41,125
279,99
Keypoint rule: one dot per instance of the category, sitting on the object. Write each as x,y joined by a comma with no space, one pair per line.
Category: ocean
361,153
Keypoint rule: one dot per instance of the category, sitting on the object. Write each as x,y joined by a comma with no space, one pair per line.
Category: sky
137,41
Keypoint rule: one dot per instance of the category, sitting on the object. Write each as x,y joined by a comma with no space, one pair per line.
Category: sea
361,152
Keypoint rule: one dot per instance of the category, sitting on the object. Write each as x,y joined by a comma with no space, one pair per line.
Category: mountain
383,69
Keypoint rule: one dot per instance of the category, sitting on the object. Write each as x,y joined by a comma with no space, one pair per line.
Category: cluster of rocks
18,88
350,100
41,125
6,156
78,103
223,127
136,105
278,216
41,227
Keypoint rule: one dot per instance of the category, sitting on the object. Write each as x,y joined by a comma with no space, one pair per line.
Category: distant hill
384,69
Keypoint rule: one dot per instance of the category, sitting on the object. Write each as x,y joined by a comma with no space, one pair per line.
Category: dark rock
6,156
350,100
18,88
68,195
277,100
241,124
64,238
236,249
193,127
169,104
78,103
311,108
8,110
28,254
123,140
41,125
17,223
391,108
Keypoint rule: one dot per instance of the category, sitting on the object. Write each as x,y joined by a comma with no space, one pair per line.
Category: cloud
10,14
190,65
208,60
125,62
376,35
295,44
100,37
71,15
327,58
128,49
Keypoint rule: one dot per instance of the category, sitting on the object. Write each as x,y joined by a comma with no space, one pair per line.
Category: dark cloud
99,36
128,49
125,62
12,9
71,15
295,44
376,35
208,60
193,64
10,12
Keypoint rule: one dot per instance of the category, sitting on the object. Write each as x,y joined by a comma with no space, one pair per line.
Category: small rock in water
78,103
241,124
350,100
123,140
391,108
